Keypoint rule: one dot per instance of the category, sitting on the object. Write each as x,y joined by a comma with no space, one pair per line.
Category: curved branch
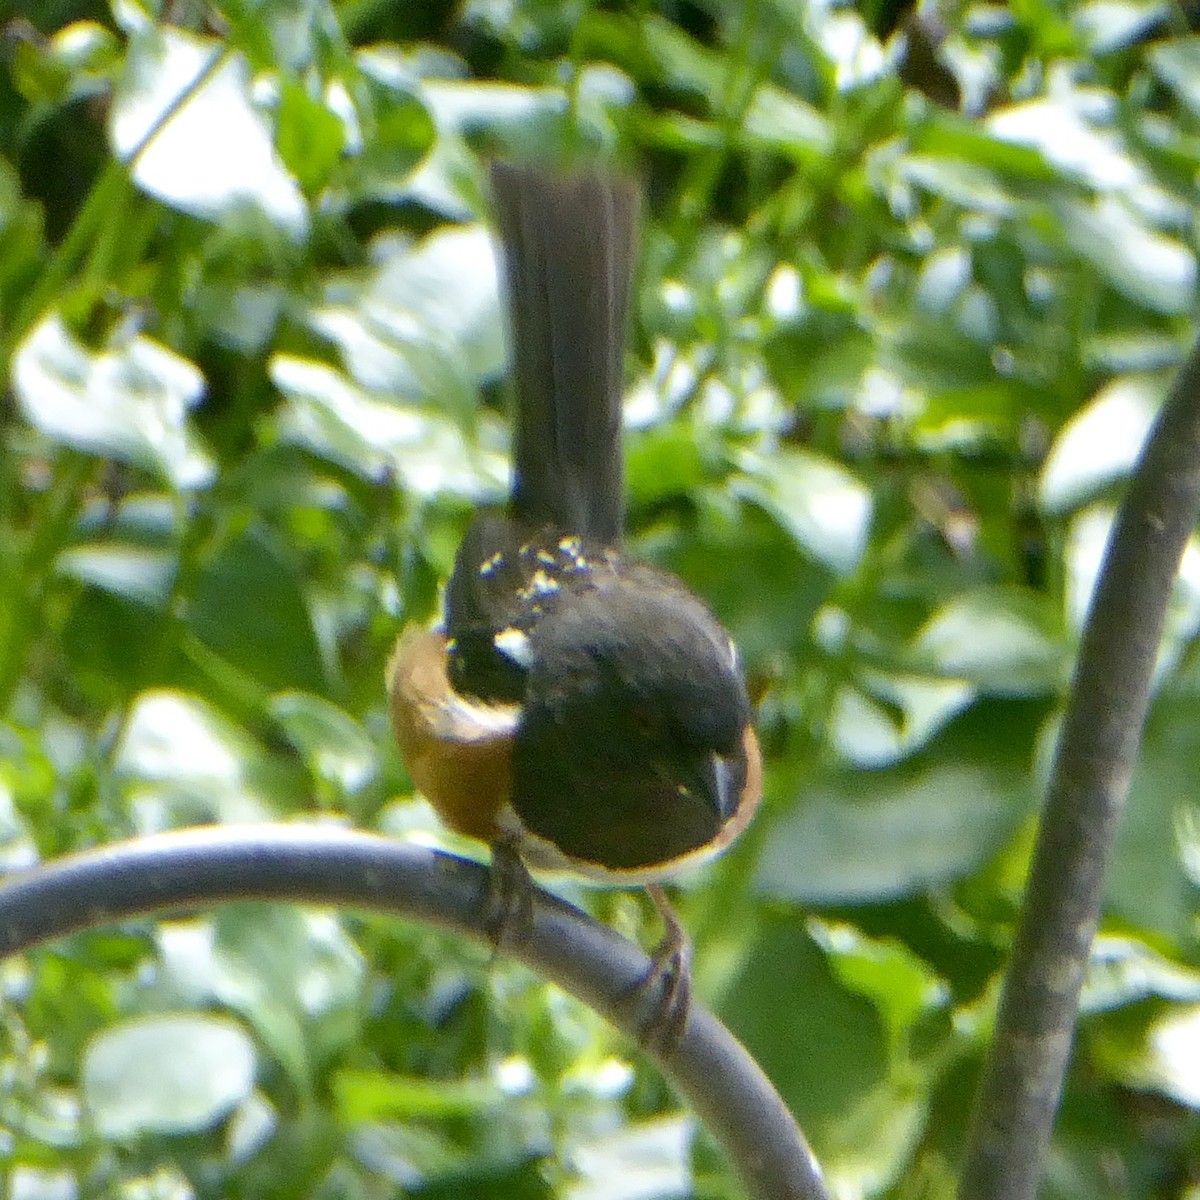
1102,729
327,865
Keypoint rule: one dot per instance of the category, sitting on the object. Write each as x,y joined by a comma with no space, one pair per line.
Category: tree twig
326,865
1102,729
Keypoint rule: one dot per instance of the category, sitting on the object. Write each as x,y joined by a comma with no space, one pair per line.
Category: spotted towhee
578,709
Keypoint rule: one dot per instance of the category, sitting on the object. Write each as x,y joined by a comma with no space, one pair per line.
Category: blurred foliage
905,311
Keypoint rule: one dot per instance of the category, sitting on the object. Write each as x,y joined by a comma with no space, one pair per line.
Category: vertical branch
1022,1078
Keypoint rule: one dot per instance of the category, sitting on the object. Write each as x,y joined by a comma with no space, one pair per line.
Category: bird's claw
665,991
508,899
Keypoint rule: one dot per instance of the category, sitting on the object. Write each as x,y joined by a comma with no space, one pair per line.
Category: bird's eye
646,722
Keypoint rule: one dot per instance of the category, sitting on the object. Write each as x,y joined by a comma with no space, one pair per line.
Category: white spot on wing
540,584
514,645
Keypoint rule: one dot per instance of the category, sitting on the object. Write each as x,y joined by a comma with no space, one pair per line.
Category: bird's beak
729,772
719,780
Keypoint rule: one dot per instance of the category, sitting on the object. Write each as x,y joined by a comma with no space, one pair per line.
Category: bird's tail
569,242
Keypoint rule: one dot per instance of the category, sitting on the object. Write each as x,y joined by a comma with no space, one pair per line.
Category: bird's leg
508,900
669,978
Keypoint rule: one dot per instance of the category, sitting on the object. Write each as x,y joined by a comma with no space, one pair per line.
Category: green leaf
76,62
828,1057
362,1096
128,401
969,185
1108,25
1152,878
309,137
950,136
182,763
881,719
1155,271
426,323
1162,1056
1100,443
1177,64
185,108
826,359
28,782
115,645
436,126
335,747
1124,970
830,1051
861,836
134,572
39,76
895,980
731,544
404,136
249,607
1004,641
646,1158
780,121
375,437
295,977
825,508
680,59
503,108
663,462
1059,130
168,1074
1120,353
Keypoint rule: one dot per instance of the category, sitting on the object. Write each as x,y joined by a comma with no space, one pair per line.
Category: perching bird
578,709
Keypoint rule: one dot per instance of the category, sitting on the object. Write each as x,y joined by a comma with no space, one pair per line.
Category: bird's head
635,751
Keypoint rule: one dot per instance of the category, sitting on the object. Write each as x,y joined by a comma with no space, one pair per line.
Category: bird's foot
508,899
665,990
